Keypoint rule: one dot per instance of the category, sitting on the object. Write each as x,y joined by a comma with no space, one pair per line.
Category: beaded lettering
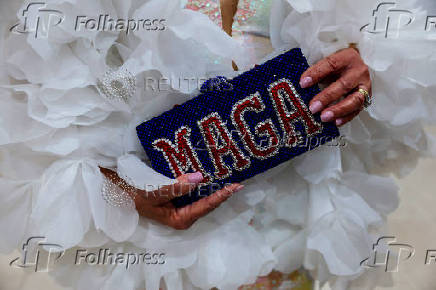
289,109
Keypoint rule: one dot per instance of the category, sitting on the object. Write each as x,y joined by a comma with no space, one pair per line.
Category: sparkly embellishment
209,7
246,9
116,194
117,84
239,133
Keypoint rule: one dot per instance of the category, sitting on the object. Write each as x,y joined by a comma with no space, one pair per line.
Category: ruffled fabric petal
57,128
348,203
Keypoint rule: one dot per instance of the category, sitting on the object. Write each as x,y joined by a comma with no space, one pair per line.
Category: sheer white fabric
321,211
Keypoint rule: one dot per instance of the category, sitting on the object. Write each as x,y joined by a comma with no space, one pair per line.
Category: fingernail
339,122
195,177
306,82
327,116
238,188
315,107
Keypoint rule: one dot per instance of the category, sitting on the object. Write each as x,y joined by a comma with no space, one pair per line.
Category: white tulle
321,211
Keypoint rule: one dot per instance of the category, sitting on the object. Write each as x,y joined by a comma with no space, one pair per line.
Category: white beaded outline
229,170
182,168
267,121
300,138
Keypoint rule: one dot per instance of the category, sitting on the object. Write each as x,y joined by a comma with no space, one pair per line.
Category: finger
147,210
161,214
343,120
183,218
345,84
331,64
351,103
185,184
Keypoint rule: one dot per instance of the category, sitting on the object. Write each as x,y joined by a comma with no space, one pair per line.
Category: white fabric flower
56,129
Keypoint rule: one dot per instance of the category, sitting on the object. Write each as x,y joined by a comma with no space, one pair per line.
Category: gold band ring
368,100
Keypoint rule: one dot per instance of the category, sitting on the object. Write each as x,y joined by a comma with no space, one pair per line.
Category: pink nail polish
306,82
195,177
238,188
339,122
327,116
315,107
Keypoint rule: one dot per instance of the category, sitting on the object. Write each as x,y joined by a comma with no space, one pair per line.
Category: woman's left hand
341,101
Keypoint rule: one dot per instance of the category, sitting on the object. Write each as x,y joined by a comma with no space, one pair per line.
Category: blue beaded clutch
235,129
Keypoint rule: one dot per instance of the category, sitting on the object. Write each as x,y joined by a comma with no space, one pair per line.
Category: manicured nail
339,122
195,177
238,188
315,107
327,116
306,82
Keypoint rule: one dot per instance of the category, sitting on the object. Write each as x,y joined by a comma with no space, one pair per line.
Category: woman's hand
157,205
350,74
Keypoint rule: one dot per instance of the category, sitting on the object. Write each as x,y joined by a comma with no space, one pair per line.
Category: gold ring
368,100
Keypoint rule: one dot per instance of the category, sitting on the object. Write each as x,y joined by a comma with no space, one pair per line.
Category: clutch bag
237,128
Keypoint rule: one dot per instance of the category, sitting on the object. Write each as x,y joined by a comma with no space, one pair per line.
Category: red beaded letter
181,156
265,128
281,91
219,143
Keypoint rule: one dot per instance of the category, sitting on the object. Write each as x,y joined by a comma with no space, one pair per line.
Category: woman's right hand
157,205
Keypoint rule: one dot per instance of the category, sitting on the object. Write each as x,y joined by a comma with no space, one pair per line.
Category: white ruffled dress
321,211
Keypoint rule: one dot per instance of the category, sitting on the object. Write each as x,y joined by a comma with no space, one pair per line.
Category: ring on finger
368,100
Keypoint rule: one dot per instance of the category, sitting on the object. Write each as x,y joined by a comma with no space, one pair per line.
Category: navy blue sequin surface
239,128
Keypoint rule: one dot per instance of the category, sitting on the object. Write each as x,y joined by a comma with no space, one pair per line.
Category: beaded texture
232,135
116,195
117,85
246,9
